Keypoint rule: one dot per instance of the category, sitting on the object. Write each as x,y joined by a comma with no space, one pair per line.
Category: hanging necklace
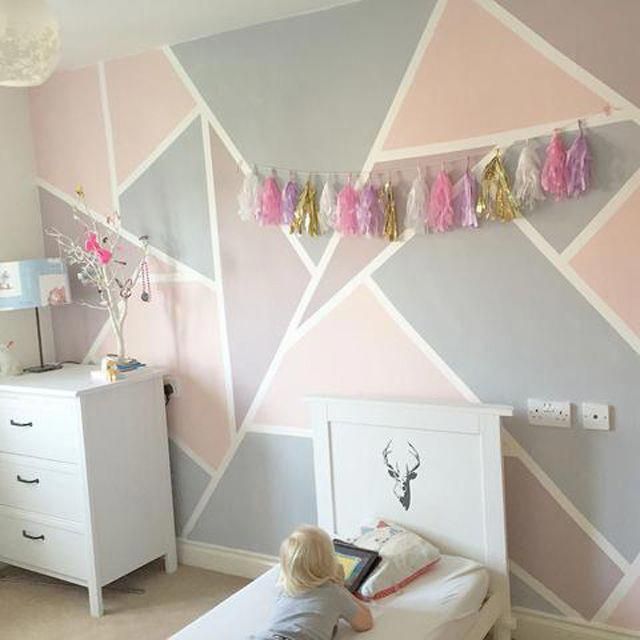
145,296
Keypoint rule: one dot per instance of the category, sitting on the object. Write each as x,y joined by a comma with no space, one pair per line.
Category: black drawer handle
21,424
34,481
30,537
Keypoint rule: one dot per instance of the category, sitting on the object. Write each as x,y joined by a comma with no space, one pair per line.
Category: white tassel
526,187
328,204
249,197
415,217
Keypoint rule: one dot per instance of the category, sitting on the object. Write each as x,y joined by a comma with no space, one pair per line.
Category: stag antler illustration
402,487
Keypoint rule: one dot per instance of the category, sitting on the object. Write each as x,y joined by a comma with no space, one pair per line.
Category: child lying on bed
313,597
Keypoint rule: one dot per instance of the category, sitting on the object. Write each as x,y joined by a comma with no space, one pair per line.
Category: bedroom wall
20,226
250,319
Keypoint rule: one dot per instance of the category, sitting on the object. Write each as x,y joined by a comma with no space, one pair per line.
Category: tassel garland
416,213
271,202
526,187
495,200
370,215
578,165
553,178
467,201
370,210
440,215
327,213
306,214
249,197
347,210
289,200
388,204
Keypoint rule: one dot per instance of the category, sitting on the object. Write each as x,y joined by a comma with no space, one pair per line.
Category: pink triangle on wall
147,101
478,77
356,350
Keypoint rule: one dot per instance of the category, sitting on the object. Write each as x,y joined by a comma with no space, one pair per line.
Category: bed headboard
434,468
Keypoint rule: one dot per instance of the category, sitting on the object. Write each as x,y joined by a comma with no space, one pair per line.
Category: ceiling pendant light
29,43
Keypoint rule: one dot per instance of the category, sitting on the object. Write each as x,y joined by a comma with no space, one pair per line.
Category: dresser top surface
71,380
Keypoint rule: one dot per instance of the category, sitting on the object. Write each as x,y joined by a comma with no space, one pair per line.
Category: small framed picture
357,563
10,284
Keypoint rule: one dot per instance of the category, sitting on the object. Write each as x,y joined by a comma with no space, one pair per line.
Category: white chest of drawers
85,490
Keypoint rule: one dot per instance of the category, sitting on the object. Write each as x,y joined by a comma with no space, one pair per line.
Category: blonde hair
308,560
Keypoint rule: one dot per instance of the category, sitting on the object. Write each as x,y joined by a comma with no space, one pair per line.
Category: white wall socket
596,416
549,413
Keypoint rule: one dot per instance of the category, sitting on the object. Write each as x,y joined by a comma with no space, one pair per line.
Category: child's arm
362,620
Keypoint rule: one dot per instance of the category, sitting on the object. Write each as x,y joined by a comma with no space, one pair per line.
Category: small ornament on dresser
109,369
9,363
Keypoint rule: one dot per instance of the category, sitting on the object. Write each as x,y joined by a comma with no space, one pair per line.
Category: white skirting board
235,562
532,625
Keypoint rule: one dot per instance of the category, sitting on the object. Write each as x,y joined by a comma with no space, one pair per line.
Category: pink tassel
553,177
370,215
347,210
290,195
270,202
467,201
578,167
440,214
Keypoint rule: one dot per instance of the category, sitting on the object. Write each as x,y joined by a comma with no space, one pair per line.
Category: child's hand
363,620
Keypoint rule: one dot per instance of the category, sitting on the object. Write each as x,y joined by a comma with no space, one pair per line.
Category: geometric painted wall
252,320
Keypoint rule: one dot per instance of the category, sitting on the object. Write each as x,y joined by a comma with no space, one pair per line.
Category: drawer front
26,486
43,547
39,427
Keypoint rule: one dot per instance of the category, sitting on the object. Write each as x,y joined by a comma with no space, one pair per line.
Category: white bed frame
457,496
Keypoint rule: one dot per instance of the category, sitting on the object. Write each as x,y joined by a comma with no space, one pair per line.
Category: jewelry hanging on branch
145,296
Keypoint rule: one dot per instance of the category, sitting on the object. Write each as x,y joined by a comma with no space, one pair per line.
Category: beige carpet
147,604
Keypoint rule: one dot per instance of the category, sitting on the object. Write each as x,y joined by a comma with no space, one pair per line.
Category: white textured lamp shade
29,43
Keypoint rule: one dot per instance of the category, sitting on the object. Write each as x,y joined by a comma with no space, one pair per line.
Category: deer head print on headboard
402,487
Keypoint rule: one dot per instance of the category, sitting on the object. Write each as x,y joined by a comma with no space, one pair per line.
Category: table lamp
31,284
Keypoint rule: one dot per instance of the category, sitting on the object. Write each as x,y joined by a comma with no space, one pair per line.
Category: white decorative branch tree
96,255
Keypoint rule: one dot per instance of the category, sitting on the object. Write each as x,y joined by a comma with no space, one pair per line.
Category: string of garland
370,210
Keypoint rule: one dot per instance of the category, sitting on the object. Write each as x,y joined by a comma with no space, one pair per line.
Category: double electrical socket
549,413
553,413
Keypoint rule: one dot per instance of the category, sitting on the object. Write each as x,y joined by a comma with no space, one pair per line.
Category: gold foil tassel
388,204
306,213
496,202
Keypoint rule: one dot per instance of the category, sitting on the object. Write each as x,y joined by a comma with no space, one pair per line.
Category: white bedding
441,605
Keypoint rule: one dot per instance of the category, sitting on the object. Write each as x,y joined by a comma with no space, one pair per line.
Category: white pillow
405,556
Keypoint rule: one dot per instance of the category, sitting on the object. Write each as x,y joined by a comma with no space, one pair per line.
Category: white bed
455,499
441,605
